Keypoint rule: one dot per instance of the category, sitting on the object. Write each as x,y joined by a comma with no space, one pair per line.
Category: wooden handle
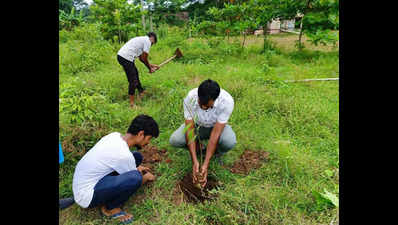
168,60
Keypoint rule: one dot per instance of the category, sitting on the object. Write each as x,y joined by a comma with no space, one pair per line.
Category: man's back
134,47
110,154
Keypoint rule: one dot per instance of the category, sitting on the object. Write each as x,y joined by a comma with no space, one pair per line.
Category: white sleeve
187,108
123,165
226,112
147,45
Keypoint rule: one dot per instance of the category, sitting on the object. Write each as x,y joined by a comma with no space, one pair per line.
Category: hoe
177,54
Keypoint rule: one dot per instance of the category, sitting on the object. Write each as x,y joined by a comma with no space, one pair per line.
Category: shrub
83,50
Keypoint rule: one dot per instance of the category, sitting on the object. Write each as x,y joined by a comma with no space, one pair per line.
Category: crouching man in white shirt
109,173
209,107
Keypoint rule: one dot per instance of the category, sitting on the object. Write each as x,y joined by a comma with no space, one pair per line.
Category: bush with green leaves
79,104
163,31
83,50
70,20
87,32
86,106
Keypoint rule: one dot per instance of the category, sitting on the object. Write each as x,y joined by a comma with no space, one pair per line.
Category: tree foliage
320,17
118,19
79,5
69,20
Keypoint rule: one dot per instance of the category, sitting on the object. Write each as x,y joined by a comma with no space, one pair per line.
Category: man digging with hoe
136,47
210,108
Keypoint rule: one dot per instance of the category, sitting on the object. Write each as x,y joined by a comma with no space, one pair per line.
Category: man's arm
192,147
211,148
144,59
213,141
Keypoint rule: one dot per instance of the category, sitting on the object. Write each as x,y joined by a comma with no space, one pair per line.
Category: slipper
117,215
66,202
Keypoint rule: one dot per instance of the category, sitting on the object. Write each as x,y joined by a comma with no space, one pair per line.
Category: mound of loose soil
152,156
248,161
194,194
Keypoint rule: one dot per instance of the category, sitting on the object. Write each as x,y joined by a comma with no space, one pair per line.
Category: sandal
117,215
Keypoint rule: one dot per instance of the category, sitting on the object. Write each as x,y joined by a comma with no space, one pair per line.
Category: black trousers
132,75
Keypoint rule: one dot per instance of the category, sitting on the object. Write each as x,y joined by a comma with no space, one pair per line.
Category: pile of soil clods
152,156
248,161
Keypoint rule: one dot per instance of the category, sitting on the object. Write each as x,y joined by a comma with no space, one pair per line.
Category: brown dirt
194,194
248,161
152,156
177,196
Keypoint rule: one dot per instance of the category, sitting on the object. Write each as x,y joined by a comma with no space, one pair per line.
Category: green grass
298,123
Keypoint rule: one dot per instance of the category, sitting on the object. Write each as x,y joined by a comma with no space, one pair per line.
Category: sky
91,1
88,1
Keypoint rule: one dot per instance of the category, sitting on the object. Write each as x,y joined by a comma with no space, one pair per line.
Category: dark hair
152,34
145,123
207,90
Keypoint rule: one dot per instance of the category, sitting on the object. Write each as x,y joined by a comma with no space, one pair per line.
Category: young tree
67,5
117,18
69,20
231,19
319,18
264,11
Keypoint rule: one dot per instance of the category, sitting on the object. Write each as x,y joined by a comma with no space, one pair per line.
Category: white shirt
134,48
111,153
221,111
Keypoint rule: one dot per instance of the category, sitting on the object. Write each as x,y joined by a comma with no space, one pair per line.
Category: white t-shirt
111,153
134,48
221,111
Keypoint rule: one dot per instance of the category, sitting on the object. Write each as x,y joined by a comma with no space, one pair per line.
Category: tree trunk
120,37
143,17
301,33
265,37
244,39
301,23
150,22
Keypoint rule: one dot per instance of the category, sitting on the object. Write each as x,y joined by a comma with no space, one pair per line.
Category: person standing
136,47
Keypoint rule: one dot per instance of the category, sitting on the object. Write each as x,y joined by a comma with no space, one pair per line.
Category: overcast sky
91,1
88,1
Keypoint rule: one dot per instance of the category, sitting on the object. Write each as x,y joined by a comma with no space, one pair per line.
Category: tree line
121,19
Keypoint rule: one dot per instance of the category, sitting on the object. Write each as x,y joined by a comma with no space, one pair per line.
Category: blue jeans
114,189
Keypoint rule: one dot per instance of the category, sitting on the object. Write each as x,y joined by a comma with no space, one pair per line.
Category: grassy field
297,123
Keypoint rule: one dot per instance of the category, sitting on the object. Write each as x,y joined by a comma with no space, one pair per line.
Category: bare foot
124,217
141,95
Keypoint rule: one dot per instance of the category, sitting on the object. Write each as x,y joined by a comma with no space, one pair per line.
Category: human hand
143,169
195,171
153,68
149,177
204,176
